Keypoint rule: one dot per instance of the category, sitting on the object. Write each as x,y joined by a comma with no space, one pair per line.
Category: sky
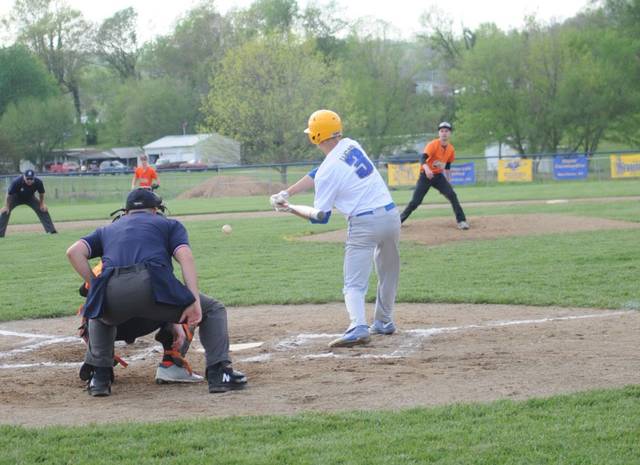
157,17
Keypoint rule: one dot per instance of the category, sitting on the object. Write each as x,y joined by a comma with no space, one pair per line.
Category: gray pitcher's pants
44,217
374,237
129,295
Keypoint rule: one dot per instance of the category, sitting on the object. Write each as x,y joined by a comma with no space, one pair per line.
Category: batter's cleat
358,335
224,378
378,327
175,374
100,384
463,225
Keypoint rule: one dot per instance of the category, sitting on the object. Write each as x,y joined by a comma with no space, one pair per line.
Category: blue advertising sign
569,168
462,174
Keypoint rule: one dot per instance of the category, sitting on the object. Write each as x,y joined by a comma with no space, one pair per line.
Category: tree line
255,74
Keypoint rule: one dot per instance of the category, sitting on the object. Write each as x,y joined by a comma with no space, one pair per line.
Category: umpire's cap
445,125
142,198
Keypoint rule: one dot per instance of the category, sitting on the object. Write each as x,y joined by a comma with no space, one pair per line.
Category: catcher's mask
323,125
139,199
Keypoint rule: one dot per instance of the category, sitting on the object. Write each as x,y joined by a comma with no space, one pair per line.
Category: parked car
113,166
165,164
193,166
65,167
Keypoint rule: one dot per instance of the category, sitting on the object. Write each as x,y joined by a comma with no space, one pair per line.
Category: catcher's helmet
142,198
323,125
445,125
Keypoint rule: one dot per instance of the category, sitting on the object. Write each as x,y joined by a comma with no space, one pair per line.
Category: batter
348,181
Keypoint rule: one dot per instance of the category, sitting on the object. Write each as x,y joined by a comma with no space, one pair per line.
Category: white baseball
227,229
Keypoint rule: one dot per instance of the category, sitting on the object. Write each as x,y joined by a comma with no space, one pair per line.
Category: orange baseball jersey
146,175
437,153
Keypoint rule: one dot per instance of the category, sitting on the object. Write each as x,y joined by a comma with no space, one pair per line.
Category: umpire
22,192
137,280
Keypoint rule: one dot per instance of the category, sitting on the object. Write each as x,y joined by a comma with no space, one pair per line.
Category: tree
263,95
35,126
59,36
264,17
116,43
22,75
379,82
192,51
546,89
599,95
145,110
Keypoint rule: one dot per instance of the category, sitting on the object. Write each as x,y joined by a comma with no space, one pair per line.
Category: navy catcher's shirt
24,191
139,238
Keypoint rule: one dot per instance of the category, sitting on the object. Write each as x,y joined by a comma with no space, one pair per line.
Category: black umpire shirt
24,191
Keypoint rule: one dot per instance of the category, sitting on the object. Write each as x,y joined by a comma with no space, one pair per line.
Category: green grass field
249,267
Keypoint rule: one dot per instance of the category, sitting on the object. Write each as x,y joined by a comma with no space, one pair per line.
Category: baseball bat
306,212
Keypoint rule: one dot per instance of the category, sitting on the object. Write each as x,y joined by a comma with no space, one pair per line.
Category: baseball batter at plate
348,181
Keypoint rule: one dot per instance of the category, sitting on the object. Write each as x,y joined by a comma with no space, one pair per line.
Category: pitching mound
232,186
435,231
441,354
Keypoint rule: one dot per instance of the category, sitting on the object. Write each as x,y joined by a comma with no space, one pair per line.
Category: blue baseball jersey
348,180
24,191
138,238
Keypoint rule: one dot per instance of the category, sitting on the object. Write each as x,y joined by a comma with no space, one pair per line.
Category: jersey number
357,159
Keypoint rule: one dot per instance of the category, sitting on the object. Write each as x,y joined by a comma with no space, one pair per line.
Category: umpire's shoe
358,335
100,384
223,378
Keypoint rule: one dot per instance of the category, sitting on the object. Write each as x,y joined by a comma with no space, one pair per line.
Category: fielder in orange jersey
435,171
145,175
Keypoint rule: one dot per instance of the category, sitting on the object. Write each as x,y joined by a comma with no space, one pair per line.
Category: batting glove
279,200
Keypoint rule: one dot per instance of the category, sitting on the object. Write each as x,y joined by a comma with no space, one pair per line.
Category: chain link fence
260,179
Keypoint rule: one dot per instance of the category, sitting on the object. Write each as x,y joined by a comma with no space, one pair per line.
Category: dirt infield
441,354
436,231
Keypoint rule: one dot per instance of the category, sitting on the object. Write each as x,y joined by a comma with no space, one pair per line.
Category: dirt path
442,354
84,224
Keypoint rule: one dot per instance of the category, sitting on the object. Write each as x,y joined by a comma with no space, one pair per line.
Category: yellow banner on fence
625,166
515,169
402,174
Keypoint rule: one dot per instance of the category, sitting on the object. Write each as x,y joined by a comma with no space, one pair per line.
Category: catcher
175,340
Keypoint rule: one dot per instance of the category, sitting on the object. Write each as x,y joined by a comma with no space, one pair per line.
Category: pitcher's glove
279,201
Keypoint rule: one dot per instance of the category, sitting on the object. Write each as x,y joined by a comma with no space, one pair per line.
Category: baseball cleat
224,379
358,335
175,374
100,383
463,225
378,327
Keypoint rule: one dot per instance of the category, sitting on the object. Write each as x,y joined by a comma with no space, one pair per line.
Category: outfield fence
258,179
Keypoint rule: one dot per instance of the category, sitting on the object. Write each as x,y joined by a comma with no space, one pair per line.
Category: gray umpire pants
129,295
44,217
371,238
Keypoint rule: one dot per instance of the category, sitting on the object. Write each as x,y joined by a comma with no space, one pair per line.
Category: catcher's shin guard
172,356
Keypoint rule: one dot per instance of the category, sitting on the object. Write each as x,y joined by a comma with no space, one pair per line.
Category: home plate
239,347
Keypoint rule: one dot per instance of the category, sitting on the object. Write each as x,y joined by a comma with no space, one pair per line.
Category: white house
195,148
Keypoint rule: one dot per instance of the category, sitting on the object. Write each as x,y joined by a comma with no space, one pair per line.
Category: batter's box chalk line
34,342
407,346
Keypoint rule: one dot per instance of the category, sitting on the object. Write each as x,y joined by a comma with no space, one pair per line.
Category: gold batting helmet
323,125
